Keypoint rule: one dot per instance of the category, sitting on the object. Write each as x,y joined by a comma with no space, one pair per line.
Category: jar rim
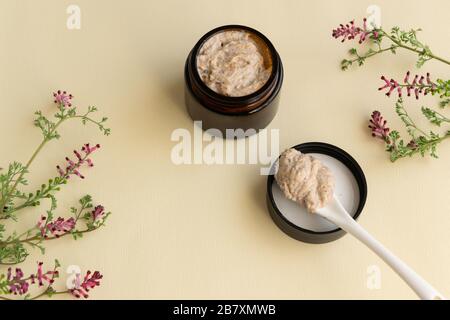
254,96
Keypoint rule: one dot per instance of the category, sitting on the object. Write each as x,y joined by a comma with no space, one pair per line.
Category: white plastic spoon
336,213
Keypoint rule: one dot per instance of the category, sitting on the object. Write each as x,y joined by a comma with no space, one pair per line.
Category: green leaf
444,103
353,51
13,253
345,64
4,285
50,292
433,116
393,49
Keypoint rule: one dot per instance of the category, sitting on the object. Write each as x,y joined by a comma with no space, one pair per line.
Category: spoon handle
422,288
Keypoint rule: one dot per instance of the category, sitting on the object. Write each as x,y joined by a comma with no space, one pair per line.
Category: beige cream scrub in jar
234,63
233,78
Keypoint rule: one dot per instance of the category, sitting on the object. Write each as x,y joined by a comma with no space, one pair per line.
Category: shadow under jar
218,110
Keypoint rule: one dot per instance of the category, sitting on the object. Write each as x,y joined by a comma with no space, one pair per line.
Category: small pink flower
350,31
61,226
57,228
418,85
42,276
88,149
62,98
61,172
412,145
78,155
347,32
392,85
41,225
364,32
90,281
378,127
98,213
73,167
17,285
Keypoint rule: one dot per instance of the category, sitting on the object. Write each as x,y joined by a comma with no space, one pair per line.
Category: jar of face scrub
233,77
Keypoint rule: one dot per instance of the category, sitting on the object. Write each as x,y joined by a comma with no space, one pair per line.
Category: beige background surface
203,231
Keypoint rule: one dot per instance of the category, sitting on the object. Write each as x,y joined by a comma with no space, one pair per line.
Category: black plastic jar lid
303,230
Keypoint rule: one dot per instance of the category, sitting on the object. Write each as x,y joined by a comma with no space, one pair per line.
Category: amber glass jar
252,111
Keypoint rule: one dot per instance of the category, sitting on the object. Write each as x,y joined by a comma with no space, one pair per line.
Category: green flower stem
395,45
401,45
371,54
42,294
86,118
45,293
421,143
30,240
442,117
33,200
408,121
28,164
41,195
429,144
24,205
11,263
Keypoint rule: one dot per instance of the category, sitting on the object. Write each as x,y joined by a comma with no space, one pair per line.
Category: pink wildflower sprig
42,277
52,229
350,31
14,245
96,218
93,219
16,282
56,228
84,219
73,166
48,228
379,128
90,281
61,226
19,284
63,99
421,142
419,85
385,41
